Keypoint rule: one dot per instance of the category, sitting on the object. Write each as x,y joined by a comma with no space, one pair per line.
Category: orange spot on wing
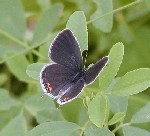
65,98
48,87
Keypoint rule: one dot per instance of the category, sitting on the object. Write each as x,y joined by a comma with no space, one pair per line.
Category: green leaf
38,102
54,128
47,23
133,82
143,115
98,110
75,112
104,23
44,4
98,132
118,103
47,115
6,102
43,50
42,107
110,71
12,18
17,66
77,23
16,127
7,45
33,70
116,118
134,131
147,2
3,78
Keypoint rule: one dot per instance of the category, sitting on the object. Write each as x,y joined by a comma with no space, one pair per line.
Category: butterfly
65,78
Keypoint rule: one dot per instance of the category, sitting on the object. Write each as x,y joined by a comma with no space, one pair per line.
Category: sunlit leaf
133,82
110,71
116,118
77,23
98,110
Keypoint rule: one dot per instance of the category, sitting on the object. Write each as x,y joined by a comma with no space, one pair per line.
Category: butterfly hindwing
74,90
94,70
55,79
65,50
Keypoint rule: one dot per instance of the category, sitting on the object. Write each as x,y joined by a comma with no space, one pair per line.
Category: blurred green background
26,31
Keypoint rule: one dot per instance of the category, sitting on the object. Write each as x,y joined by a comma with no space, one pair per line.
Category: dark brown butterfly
65,78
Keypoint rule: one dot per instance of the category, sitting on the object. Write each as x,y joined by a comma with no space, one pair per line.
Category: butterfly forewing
94,70
55,79
65,50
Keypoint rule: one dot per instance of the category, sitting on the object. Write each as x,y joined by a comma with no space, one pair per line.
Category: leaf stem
13,38
38,54
116,10
120,126
23,44
28,48
21,52
83,128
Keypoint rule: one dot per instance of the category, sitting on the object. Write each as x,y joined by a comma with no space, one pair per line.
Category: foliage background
26,31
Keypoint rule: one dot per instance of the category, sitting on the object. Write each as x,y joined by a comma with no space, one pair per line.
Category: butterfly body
66,77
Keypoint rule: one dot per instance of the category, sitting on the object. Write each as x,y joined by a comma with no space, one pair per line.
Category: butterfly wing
74,90
55,79
65,50
94,70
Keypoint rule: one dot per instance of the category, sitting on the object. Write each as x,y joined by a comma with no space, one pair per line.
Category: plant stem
38,54
13,38
120,126
83,128
21,52
116,10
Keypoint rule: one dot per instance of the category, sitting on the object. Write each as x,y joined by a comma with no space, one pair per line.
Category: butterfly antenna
84,56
